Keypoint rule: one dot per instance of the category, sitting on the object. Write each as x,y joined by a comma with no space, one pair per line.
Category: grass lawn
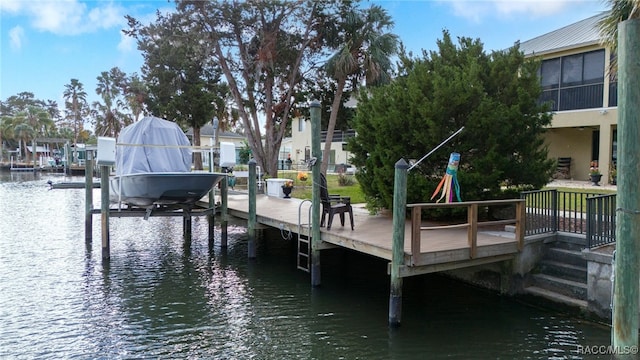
573,199
570,199
302,189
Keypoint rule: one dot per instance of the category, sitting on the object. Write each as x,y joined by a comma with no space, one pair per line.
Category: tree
620,10
494,96
34,114
135,94
110,116
76,106
24,133
182,83
364,51
262,49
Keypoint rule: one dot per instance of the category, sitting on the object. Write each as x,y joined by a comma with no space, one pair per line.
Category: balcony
575,97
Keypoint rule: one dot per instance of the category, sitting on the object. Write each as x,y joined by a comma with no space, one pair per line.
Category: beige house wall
300,142
570,133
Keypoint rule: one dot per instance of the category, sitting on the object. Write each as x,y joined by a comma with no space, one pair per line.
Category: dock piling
88,203
251,222
315,196
211,218
104,212
399,214
626,289
224,218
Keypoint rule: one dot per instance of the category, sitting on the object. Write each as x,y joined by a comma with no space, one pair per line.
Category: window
574,81
572,70
550,73
593,67
301,125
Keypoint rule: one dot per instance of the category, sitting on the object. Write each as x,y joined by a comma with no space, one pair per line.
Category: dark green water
158,299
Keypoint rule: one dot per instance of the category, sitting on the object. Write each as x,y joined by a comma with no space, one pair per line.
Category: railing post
416,241
555,210
472,230
590,223
397,259
520,223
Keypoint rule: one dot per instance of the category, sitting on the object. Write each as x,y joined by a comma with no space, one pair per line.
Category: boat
153,167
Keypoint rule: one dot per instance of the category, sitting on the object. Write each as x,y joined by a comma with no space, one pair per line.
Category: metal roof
207,130
581,33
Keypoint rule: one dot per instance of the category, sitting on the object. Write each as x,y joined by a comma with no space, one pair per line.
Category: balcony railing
613,94
575,97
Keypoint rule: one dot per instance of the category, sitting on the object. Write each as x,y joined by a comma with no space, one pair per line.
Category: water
159,299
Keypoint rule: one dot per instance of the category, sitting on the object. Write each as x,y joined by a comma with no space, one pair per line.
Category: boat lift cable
435,148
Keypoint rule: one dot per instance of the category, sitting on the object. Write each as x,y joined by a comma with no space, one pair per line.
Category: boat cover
150,159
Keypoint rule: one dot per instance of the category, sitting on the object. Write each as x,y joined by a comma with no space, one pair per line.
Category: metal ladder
304,240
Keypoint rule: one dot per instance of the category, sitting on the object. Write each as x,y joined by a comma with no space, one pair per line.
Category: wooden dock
441,247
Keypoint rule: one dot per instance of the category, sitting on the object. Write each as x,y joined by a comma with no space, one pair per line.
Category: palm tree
5,125
24,132
621,10
109,117
365,52
38,118
135,95
76,105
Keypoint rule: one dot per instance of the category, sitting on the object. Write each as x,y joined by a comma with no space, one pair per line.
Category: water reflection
157,298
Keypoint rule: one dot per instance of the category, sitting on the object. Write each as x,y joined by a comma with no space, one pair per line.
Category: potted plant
302,176
286,188
594,173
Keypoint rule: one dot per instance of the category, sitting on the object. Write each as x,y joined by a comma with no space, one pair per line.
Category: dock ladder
304,240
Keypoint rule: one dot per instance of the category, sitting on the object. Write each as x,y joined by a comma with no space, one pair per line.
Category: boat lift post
104,212
88,203
106,157
224,218
252,221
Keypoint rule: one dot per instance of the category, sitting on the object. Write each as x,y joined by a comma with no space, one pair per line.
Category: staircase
561,275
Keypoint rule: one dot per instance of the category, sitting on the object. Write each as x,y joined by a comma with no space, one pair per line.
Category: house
207,139
575,79
298,146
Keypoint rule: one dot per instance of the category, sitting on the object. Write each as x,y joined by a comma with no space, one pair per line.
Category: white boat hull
163,188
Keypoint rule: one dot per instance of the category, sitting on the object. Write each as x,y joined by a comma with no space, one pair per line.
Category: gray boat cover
152,159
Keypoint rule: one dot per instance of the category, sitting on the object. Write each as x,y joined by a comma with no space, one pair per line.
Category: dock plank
373,233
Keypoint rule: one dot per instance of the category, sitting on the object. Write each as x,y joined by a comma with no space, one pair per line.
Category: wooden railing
471,225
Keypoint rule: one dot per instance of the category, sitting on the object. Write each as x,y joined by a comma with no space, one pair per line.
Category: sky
46,43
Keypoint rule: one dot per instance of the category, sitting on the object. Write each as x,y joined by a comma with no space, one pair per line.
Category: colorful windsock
449,183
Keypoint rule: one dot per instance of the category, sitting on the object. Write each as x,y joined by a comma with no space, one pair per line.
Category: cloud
16,36
67,17
127,43
478,11
10,6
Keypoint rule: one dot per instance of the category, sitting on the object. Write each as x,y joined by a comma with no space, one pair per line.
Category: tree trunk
197,155
337,99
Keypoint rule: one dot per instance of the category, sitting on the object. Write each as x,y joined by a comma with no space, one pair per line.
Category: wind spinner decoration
449,183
